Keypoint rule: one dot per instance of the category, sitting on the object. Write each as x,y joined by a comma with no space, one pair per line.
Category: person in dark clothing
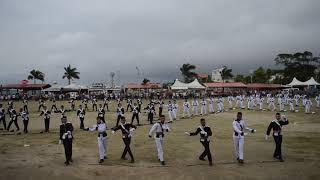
126,130
81,114
205,133
25,119
66,138
13,119
276,126
120,113
135,113
46,117
3,117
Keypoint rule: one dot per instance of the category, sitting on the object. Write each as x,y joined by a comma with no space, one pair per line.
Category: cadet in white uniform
211,104
159,129
307,105
170,111
102,138
318,101
230,99
290,100
175,107
238,136
195,105
220,104
186,108
203,107
271,105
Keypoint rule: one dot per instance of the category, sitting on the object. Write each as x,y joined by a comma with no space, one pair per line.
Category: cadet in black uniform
10,107
13,119
85,103
25,105
126,130
106,103
101,113
81,113
161,104
25,119
129,105
41,104
62,111
151,112
276,126
54,105
66,137
205,133
3,117
46,118
135,113
73,104
139,104
94,104
120,113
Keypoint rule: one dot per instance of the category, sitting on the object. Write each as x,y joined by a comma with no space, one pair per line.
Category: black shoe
105,157
201,159
123,158
71,160
281,160
67,163
163,163
241,161
101,161
210,163
132,161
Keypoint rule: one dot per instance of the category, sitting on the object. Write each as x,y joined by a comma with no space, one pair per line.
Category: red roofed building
225,85
25,87
134,86
262,86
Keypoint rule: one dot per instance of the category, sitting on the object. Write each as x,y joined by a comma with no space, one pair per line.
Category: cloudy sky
158,36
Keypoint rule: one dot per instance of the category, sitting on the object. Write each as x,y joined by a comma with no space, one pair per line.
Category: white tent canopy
54,88
74,87
178,85
296,82
311,82
195,85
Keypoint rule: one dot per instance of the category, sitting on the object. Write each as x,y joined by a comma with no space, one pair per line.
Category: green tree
145,81
36,75
260,76
70,73
299,65
187,72
226,73
239,78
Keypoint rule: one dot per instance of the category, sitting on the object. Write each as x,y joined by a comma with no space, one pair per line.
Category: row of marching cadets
159,131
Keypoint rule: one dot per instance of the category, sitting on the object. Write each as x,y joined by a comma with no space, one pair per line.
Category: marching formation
280,102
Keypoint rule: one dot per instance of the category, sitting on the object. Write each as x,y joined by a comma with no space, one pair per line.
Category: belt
159,134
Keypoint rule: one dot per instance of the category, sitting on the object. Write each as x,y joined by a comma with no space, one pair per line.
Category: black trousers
118,119
135,116
94,107
129,106
206,151
127,149
67,143
25,126
106,105
81,123
73,106
150,118
160,111
25,108
40,106
86,107
277,152
46,124
3,119
55,108
15,123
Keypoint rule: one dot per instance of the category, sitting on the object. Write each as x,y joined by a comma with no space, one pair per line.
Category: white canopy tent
178,85
54,88
311,82
74,87
296,82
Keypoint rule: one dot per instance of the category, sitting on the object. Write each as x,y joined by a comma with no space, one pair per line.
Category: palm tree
226,73
145,81
36,75
70,73
187,73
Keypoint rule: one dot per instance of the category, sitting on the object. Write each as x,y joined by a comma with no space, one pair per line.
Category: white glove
132,129
112,132
69,132
267,137
60,142
187,133
203,132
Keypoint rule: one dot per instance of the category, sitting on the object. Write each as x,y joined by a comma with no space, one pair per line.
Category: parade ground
39,156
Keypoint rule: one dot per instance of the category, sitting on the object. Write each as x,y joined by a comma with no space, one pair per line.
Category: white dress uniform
170,112
102,139
238,137
297,98
318,101
290,100
241,101
308,105
203,110
186,109
175,107
250,102
260,101
220,104
230,99
211,105
195,105
158,130
268,98
271,105
282,103
304,100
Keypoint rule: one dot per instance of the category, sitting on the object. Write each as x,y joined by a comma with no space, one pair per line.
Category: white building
216,75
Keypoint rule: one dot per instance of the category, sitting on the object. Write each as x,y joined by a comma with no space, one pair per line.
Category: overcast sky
158,36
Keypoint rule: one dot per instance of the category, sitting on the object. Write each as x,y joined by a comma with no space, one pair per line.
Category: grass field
44,158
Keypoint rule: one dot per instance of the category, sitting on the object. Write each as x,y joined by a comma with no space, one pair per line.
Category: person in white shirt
170,111
102,138
158,130
307,105
220,104
203,110
195,105
271,105
211,104
175,107
230,100
238,136
186,108
318,101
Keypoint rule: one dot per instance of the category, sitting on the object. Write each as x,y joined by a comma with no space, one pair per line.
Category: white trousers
307,108
195,110
238,146
186,111
291,107
171,115
230,105
260,105
102,145
175,113
203,110
281,106
211,108
220,107
159,144
272,106
241,105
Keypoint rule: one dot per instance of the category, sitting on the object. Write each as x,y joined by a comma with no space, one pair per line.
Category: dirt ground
38,156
